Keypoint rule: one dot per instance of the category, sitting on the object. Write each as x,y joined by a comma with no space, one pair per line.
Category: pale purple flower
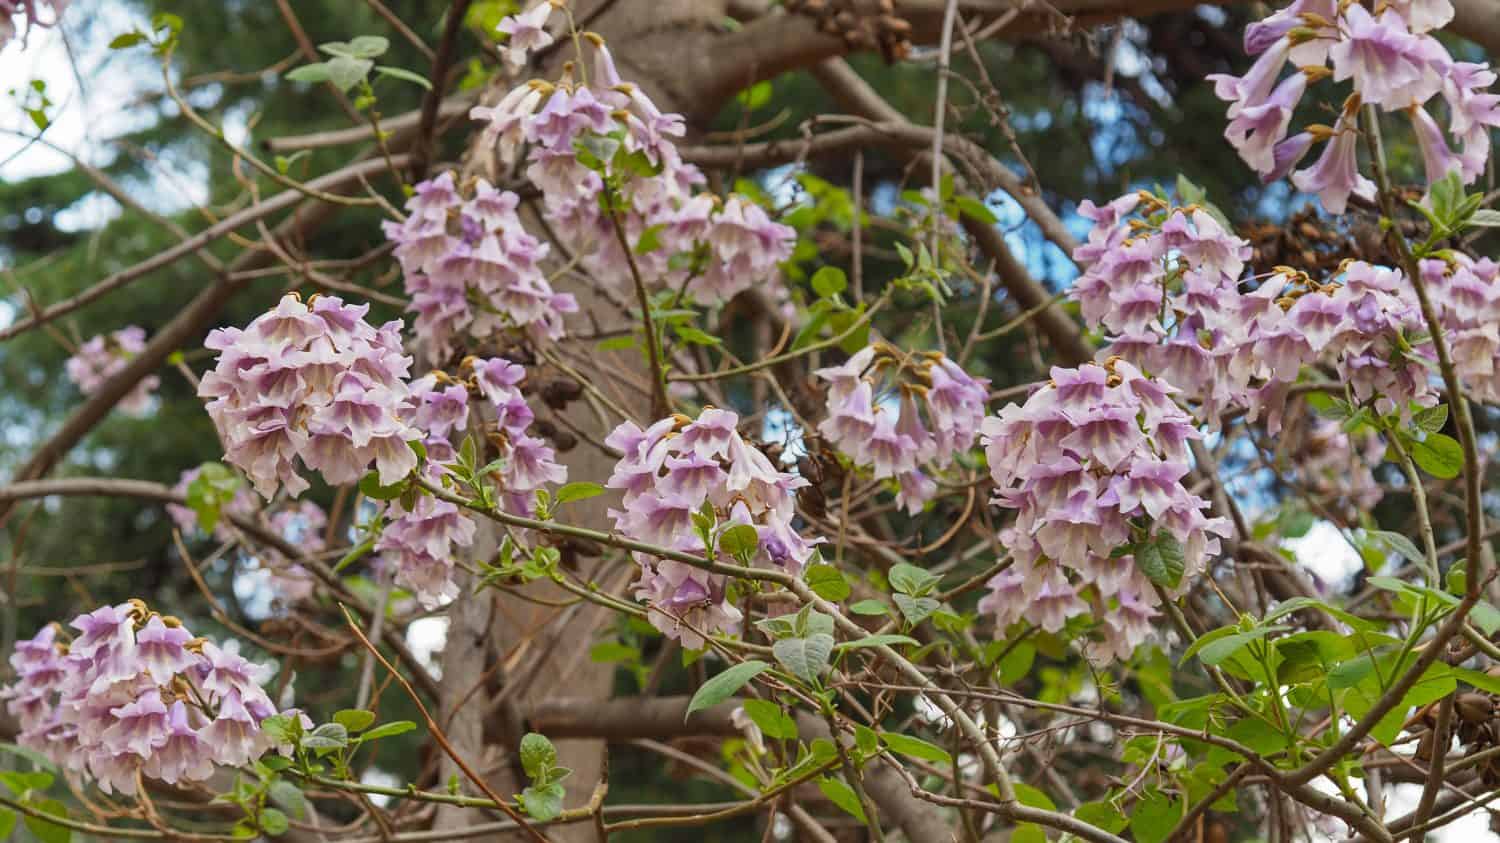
667,479
527,31
106,355
162,650
1335,176
1257,130
1391,67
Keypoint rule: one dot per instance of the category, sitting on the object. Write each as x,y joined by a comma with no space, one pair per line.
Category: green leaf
1161,560
1402,545
1485,218
915,747
1479,679
210,491
1216,652
1101,815
909,579
621,343
724,685
44,830
543,802
695,336
370,487
404,75
739,541
368,46
807,657
1016,663
538,755
842,795
354,719
881,640
915,609
1431,419
273,822
579,491
827,582
773,722
1486,617
972,207
829,281
1351,672
346,72
1439,455
289,797
1033,797
869,608
613,651
309,73
755,96
281,728
387,730
1154,817
1028,833
119,42
7,823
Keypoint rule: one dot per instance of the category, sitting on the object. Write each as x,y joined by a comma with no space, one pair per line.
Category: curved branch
147,490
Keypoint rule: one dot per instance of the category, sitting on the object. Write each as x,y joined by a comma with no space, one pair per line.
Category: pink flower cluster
1093,463
315,382
904,416
1394,62
680,467
1163,282
104,356
470,267
420,541
675,236
134,694
300,523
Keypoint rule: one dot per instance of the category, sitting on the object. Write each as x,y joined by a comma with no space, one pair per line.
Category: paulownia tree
764,454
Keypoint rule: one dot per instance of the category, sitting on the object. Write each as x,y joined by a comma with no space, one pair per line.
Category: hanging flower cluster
677,469
134,694
602,155
299,522
104,356
1162,281
1093,463
419,541
316,382
904,416
1394,62
470,267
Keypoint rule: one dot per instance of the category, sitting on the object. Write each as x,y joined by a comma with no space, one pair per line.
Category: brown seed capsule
1474,708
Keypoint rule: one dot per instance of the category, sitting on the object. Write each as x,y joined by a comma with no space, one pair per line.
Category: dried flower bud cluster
1395,62
316,383
601,153
104,356
471,268
903,416
134,694
681,477
1094,463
